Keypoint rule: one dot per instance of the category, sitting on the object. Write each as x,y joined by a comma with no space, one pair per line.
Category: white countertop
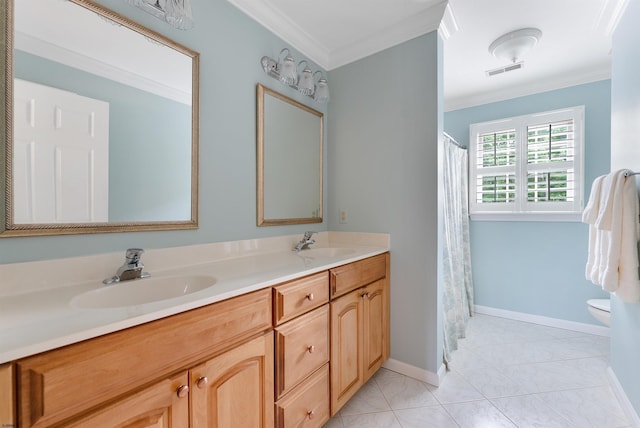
42,318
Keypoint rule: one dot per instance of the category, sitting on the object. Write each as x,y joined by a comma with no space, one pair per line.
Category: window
527,167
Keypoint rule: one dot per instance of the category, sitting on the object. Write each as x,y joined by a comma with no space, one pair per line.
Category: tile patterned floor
505,374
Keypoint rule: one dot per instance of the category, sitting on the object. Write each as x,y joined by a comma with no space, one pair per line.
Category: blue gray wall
384,131
230,46
538,267
625,153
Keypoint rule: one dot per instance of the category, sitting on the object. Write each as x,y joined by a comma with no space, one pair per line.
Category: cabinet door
374,331
163,405
346,348
235,389
7,417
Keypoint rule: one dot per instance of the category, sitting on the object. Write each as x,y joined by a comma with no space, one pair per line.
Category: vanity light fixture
175,12
305,80
286,72
321,93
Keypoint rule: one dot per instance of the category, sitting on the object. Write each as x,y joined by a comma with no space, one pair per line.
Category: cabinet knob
310,414
310,297
365,295
182,391
311,348
202,382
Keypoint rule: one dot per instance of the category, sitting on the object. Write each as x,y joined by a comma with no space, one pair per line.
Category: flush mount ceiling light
513,45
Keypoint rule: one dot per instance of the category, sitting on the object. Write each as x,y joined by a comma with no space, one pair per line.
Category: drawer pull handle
182,391
310,297
310,414
202,382
311,349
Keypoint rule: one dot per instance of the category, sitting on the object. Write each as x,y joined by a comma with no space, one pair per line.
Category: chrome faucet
131,269
305,241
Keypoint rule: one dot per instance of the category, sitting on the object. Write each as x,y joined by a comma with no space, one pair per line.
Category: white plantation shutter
528,166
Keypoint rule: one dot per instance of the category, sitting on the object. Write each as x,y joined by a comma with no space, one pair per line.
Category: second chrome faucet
305,241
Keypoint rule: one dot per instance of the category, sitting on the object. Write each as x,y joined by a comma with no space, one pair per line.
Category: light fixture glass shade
321,94
288,69
178,14
513,45
305,80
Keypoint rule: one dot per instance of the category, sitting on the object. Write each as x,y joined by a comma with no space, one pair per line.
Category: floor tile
402,392
478,414
528,411
371,420
590,407
432,417
492,382
368,399
455,389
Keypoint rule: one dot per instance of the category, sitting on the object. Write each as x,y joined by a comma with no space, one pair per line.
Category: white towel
605,209
621,272
589,216
613,235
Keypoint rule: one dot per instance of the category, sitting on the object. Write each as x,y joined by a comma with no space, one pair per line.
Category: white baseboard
422,375
539,319
624,401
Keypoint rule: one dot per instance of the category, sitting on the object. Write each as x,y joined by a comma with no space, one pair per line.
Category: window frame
521,209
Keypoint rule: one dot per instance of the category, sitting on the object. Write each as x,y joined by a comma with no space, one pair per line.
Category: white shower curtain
458,284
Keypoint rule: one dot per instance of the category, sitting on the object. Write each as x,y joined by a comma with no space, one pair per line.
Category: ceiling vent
505,69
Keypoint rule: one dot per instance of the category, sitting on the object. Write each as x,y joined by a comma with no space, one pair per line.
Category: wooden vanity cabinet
80,381
302,352
158,406
359,326
235,389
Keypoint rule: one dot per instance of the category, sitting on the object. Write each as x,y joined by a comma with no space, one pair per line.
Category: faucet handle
133,255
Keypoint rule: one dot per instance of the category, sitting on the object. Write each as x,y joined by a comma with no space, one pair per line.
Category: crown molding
610,14
291,33
283,27
449,25
56,53
526,89
422,23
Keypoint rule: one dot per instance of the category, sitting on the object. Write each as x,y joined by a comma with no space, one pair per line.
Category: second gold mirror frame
290,151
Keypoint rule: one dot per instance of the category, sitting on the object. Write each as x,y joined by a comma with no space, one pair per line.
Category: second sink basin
141,291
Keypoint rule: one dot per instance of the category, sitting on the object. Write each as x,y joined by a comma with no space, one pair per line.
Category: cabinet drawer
302,345
307,405
58,384
349,277
299,296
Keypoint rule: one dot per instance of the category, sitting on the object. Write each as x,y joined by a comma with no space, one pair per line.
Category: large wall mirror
290,140
101,123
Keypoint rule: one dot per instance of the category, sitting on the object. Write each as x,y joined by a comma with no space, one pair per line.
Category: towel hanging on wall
614,231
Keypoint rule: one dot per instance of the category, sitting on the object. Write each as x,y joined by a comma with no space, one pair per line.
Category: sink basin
141,291
325,253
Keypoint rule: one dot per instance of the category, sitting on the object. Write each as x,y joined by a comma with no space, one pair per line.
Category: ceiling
574,48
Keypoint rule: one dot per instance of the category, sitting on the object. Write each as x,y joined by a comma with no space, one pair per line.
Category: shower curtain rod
454,141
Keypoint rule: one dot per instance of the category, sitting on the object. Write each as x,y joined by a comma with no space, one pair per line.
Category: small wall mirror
290,140
101,123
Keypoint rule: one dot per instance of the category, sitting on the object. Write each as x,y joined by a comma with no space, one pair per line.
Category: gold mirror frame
261,91
7,227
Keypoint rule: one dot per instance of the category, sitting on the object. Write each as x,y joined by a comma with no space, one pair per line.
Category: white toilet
601,310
